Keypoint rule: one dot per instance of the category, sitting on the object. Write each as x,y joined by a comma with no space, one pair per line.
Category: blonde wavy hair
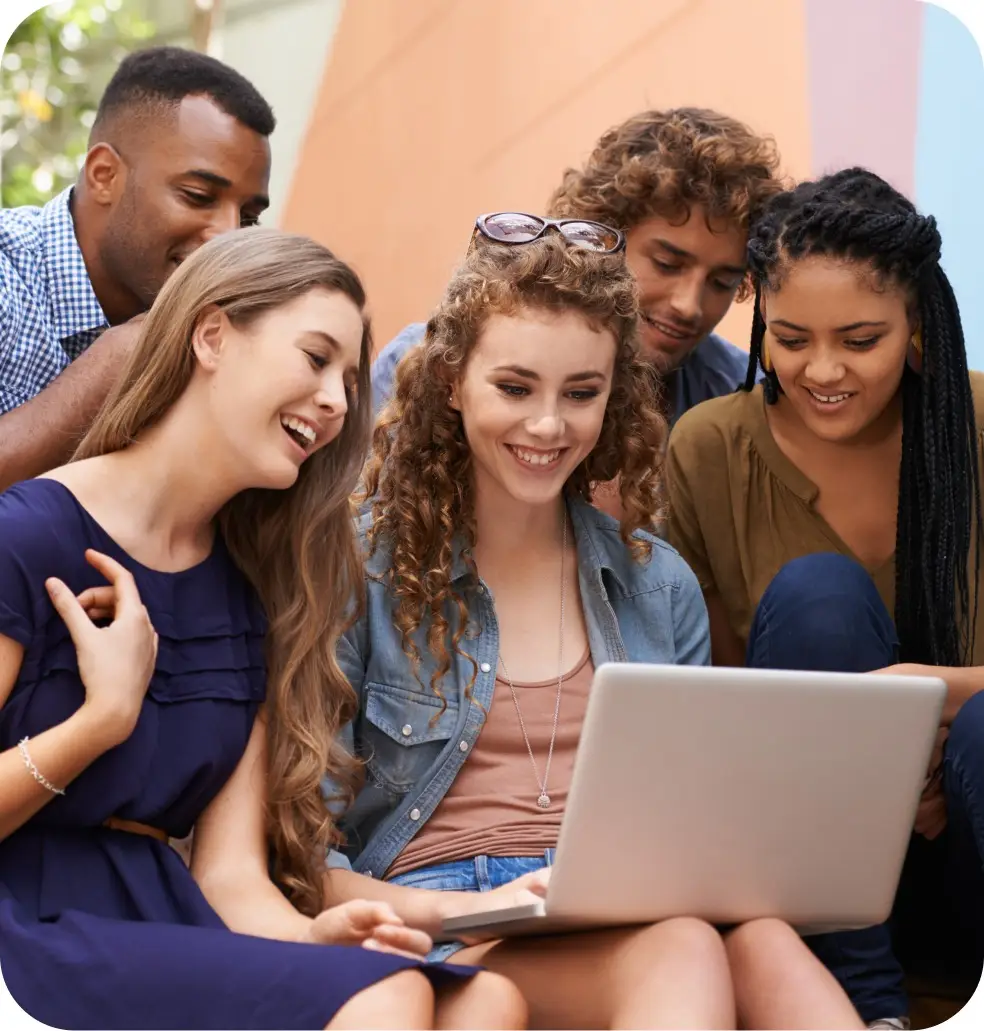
297,546
666,162
418,477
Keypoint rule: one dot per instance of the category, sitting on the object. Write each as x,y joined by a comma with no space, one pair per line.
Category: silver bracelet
34,771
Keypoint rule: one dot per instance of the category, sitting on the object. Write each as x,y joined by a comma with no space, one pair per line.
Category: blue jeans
483,873
823,612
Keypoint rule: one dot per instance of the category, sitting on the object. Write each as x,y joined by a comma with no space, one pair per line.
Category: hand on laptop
531,887
528,888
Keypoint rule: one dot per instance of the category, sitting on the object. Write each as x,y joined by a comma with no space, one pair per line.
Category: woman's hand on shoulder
373,925
115,662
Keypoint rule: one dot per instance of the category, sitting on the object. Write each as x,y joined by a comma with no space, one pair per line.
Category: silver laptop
733,794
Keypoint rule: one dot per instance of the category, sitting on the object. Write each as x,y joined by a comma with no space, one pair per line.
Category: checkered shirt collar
74,306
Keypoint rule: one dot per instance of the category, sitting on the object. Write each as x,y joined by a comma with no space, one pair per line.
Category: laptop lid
733,794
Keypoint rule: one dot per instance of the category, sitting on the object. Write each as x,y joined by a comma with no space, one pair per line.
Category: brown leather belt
132,827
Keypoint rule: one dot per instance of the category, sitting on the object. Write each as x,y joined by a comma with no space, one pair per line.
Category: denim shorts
483,873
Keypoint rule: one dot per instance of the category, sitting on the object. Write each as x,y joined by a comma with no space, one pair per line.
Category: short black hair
164,76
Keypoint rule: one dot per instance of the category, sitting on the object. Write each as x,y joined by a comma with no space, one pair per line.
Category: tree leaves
52,74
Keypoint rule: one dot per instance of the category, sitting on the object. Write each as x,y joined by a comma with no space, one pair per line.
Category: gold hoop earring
914,359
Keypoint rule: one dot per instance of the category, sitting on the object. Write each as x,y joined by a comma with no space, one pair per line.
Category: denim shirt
414,746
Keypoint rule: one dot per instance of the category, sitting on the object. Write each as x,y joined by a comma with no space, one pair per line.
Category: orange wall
434,111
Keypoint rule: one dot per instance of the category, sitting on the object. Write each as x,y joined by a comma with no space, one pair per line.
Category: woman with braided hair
832,514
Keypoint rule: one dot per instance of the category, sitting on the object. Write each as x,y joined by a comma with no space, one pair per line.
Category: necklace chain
543,799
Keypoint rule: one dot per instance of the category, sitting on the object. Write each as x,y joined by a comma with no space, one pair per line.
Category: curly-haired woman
473,677
683,185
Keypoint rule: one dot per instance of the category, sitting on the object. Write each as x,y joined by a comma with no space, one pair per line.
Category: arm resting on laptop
962,683
42,434
418,907
424,908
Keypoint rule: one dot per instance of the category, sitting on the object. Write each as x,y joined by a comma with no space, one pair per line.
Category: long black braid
857,216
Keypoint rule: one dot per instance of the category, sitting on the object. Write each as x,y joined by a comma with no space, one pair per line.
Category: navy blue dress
104,928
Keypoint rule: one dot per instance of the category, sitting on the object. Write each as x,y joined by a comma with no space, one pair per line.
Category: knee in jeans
822,612
822,576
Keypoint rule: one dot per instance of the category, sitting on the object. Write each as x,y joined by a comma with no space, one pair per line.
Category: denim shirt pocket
404,734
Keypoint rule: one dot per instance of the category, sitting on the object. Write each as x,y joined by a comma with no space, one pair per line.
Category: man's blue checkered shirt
48,311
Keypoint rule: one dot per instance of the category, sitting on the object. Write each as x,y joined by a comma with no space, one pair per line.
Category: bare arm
418,907
229,862
962,683
229,855
115,664
427,908
60,754
42,434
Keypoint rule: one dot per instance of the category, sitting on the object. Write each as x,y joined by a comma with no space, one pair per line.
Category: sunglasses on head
514,227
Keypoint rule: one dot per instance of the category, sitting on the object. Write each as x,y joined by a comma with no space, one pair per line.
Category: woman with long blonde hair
170,603
494,590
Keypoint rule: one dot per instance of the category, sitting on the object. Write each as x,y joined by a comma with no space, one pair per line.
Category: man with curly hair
683,185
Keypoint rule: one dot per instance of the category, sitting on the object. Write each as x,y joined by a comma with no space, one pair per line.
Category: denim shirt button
462,746
414,814
485,668
407,730
368,873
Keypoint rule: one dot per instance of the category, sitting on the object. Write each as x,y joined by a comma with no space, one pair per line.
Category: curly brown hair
419,472
666,162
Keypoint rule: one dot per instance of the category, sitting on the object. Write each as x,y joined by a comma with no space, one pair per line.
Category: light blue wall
950,160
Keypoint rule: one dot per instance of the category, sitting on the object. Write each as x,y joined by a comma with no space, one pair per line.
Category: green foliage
52,75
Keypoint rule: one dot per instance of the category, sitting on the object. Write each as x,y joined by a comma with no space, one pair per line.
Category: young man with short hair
178,153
